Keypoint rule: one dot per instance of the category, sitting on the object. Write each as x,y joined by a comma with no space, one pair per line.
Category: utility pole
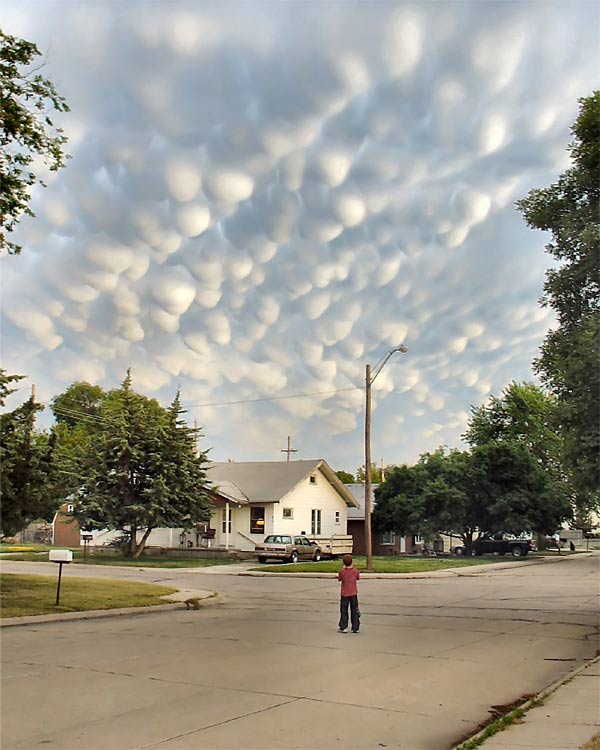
368,538
369,379
289,450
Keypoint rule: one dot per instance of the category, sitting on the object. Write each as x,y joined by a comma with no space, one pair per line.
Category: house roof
357,491
269,481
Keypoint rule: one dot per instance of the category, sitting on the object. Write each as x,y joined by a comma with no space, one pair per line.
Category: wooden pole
368,537
289,450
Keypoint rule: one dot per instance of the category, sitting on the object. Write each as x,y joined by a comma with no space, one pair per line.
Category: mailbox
61,555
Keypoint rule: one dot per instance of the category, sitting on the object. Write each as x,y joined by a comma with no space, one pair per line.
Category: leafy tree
568,364
523,414
26,130
141,471
345,477
25,463
79,403
497,486
376,473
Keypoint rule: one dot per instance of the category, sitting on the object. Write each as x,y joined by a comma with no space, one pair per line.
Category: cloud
265,197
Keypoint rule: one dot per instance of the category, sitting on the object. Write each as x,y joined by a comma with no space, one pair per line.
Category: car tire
294,557
517,551
459,551
317,556
262,559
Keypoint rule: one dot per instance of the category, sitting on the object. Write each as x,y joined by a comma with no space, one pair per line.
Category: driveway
267,669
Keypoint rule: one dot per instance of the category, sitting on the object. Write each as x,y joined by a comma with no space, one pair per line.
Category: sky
263,197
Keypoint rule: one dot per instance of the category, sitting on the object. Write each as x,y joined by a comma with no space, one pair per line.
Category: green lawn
22,595
384,564
146,561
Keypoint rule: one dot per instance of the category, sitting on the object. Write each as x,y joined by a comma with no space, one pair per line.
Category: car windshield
277,539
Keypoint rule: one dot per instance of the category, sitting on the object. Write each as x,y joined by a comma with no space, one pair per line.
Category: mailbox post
86,538
62,557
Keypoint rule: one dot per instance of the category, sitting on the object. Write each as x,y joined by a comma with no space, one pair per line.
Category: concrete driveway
267,669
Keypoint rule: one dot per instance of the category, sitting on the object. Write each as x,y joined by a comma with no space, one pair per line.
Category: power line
67,412
273,398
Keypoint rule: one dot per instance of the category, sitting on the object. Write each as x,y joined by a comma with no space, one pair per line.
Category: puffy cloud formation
264,197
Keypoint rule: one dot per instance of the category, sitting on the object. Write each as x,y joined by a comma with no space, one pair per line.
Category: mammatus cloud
264,197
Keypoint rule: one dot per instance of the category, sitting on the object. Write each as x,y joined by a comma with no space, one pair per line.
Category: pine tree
141,472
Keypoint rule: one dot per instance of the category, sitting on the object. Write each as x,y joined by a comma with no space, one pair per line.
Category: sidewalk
568,717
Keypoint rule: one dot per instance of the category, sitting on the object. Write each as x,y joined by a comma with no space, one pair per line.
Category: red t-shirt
349,577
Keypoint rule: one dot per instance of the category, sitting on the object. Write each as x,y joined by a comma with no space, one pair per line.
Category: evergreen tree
25,464
141,472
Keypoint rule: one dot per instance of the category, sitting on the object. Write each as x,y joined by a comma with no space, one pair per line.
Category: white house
253,499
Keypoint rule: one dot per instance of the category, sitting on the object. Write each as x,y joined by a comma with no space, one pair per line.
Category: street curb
530,703
99,614
444,573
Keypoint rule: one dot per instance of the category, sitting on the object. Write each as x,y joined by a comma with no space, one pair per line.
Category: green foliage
80,403
139,470
26,130
568,364
5,381
376,473
495,487
524,414
25,464
345,477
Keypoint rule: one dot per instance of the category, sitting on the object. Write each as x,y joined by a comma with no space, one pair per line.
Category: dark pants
352,602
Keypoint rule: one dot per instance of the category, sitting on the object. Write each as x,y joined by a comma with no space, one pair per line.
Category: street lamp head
402,349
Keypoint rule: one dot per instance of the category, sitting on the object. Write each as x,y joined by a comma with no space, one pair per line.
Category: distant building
385,543
65,529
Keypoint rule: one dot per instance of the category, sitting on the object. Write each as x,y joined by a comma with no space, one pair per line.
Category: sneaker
343,630
355,631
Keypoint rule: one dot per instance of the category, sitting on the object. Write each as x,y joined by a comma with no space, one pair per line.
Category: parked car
499,544
288,548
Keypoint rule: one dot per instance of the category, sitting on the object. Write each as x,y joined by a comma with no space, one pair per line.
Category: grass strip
146,561
381,565
22,595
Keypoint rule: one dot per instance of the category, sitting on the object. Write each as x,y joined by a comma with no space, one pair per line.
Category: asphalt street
267,669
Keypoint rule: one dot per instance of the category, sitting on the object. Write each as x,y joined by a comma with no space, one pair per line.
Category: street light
369,380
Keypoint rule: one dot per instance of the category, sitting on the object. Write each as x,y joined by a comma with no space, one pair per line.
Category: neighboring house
65,529
253,499
386,543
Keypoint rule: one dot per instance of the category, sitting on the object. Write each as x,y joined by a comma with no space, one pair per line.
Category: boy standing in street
349,576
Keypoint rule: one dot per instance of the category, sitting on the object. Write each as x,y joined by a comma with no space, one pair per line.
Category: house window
337,516
224,521
257,520
388,537
288,512
313,479
315,522
417,539
70,508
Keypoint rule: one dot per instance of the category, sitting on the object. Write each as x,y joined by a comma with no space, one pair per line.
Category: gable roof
358,492
269,481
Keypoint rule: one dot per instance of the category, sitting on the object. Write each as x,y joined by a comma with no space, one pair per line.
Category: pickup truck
498,544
